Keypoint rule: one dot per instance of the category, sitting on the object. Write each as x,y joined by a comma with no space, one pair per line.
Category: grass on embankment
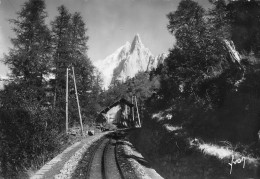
64,141
176,154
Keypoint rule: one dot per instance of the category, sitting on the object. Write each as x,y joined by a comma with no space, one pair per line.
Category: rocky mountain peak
136,43
127,61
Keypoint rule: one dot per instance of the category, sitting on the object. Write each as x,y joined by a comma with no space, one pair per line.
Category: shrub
27,131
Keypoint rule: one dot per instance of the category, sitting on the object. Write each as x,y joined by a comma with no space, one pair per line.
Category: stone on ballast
91,132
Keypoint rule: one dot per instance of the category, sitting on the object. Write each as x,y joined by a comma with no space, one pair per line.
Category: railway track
101,161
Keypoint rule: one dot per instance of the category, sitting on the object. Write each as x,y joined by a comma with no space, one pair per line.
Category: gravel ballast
71,164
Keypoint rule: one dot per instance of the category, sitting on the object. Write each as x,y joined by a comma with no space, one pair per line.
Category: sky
110,23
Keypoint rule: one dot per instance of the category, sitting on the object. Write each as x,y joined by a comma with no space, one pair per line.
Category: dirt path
63,165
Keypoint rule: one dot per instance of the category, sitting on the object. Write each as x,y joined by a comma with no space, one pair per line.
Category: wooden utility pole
137,112
80,119
133,108
67,101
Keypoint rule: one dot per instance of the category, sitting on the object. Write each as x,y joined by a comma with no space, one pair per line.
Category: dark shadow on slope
140,160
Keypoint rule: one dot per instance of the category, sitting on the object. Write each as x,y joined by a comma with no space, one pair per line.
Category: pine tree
79,59
199,51
70,42
78,35
62,53
23,120
30,57
86,76
218,19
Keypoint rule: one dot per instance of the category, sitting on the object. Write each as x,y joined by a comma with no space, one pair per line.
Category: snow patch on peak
127,44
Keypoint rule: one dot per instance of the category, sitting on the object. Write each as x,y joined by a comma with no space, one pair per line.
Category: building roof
120,101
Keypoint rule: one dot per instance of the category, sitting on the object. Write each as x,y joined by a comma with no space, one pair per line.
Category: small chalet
119,113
